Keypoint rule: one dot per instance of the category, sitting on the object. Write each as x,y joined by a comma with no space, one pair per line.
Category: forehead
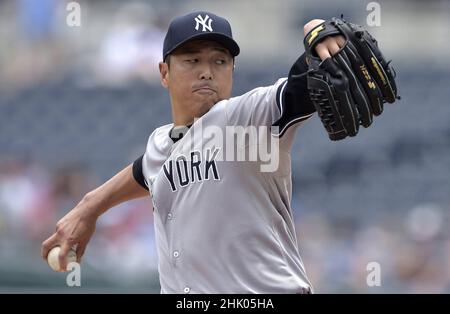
200,46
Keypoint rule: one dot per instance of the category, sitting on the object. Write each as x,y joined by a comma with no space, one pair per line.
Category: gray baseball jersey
225,226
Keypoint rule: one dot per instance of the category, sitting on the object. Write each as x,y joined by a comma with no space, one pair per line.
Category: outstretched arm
295,103
77,226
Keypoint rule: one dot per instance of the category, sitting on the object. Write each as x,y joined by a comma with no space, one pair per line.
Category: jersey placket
176,253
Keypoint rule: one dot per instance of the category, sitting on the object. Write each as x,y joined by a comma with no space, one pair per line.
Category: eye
193,60
221,61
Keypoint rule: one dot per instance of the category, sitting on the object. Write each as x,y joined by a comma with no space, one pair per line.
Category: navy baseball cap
199,25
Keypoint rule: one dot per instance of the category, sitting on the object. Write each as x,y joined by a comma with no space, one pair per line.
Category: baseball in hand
53,261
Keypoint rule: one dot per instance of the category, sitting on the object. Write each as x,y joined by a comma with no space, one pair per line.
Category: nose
205,72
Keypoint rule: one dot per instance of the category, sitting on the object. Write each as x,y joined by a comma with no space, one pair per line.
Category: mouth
205,90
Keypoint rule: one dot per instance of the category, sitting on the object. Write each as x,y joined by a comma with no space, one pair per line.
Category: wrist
92,205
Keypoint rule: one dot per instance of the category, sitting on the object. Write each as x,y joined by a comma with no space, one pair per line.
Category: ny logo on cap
200,20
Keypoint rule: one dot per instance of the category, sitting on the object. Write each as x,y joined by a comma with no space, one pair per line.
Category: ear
164,74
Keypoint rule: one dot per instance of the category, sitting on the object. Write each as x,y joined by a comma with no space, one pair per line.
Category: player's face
200,75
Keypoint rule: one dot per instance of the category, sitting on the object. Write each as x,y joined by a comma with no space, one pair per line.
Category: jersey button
169,216
176,254
187,290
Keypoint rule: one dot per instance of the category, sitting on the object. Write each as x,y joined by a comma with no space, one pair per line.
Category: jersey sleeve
293,98
280,105
138,173
256,107
147,166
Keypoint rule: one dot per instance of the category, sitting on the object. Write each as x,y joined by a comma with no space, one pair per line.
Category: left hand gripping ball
53,261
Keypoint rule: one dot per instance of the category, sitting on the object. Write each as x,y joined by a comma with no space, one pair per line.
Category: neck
181,118
182,122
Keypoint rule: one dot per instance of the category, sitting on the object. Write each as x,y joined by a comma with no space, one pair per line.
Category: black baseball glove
351,87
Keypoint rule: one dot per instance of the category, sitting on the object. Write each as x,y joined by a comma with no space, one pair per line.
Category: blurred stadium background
78,103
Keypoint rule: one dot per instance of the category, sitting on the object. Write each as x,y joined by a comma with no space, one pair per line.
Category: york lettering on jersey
185,170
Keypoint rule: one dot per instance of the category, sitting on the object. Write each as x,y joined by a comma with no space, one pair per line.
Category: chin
205,108
210,101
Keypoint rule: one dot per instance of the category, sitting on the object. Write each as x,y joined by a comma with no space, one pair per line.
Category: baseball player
221,226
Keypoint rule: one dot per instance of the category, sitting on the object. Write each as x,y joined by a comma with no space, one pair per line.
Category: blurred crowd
412,251
33,199
42,47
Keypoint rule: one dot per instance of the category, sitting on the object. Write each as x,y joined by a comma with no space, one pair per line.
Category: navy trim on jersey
293,98
138,174
180,132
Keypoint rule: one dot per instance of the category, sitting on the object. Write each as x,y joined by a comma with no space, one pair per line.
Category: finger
322,51
80,250
333,47
62,257
47,245
340,40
